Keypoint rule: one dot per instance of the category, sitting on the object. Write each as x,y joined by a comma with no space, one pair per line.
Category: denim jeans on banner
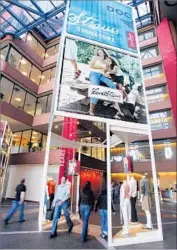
85,211
96,79
104,221
57,214
15,206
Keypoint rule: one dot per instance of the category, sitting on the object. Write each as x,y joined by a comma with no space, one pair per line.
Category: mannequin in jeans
125,206
146,200
133,188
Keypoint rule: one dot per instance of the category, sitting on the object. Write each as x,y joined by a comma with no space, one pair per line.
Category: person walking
61,203
86,206
18,202
102,206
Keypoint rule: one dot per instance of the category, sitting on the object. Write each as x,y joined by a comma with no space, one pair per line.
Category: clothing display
133,191
125,206
146,200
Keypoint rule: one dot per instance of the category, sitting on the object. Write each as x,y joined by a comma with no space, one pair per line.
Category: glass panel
57,48
49,104
14,58
152,71
50,52
41,105
146,35
157,94
18,97
3,53
25,67
36,141
161,120
30,104
149,53
45,77
53,72
6,89
35,75
26,145
44,142
40,50
16,142
32,42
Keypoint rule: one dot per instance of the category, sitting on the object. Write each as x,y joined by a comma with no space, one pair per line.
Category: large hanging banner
107,22
98,80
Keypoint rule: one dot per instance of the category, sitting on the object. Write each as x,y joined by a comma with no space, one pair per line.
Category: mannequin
125,206
146,200
51,185
133,191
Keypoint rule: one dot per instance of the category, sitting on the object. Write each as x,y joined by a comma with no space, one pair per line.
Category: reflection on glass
14,58
157,94
3,53
36,140
41,105
31,41
26,144
16,142
53,72
44,141
49,103
45,77
18,97
30,104
6,89
25,67
35,75
161,120
40,50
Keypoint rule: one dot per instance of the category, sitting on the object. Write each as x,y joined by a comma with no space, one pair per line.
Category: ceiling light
90,132
42,77
35,133
33,80
23,61
46,55
56,126
77,123
33,137
2,57
18,99
29,38
24,73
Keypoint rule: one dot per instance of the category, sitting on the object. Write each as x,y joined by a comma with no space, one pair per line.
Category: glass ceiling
46,17
18,17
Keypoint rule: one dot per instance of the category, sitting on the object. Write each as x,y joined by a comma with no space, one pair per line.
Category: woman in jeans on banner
102,206
86,205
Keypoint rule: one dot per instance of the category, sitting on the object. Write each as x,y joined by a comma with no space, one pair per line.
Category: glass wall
18,97
95,152
146,35
43,105
19,62
28,141
140,151
161,120
34,44
149,52
3,53
153,71
52,51
158,94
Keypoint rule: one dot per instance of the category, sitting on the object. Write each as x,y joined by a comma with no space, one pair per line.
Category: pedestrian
86,206
102,206
18,202
61,203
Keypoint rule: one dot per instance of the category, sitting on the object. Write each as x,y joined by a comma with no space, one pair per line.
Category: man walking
61,203
18,202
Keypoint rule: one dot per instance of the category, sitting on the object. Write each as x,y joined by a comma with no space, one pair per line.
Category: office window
35,75
16,142
52,51
161,120
18,97
152,71
14,58
53,72
40,50
3,53
146,35
41,105
26,145
31,41
6,89
49,103
36,141
150,52
25,67
30,104
157,94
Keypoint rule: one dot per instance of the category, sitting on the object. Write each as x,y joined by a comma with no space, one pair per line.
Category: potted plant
29,144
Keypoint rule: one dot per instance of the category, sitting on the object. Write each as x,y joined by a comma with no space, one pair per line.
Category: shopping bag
49,214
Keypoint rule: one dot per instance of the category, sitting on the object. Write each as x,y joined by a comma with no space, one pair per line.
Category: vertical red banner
131,40
69,132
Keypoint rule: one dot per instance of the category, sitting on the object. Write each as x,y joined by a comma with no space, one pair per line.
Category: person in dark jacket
102,206
86,205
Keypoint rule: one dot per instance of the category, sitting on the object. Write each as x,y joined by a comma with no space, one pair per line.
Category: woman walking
86,205
102,206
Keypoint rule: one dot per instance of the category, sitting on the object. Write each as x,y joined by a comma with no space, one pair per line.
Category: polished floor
26,235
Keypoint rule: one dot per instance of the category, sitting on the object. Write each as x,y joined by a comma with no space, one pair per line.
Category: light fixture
78,123
41,76
2,57
29,38
90,132
46,55
24,73
33,80
56,126
18,99
23,61
35,133
33,137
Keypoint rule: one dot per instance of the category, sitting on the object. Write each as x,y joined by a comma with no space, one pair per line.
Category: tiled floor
25,235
